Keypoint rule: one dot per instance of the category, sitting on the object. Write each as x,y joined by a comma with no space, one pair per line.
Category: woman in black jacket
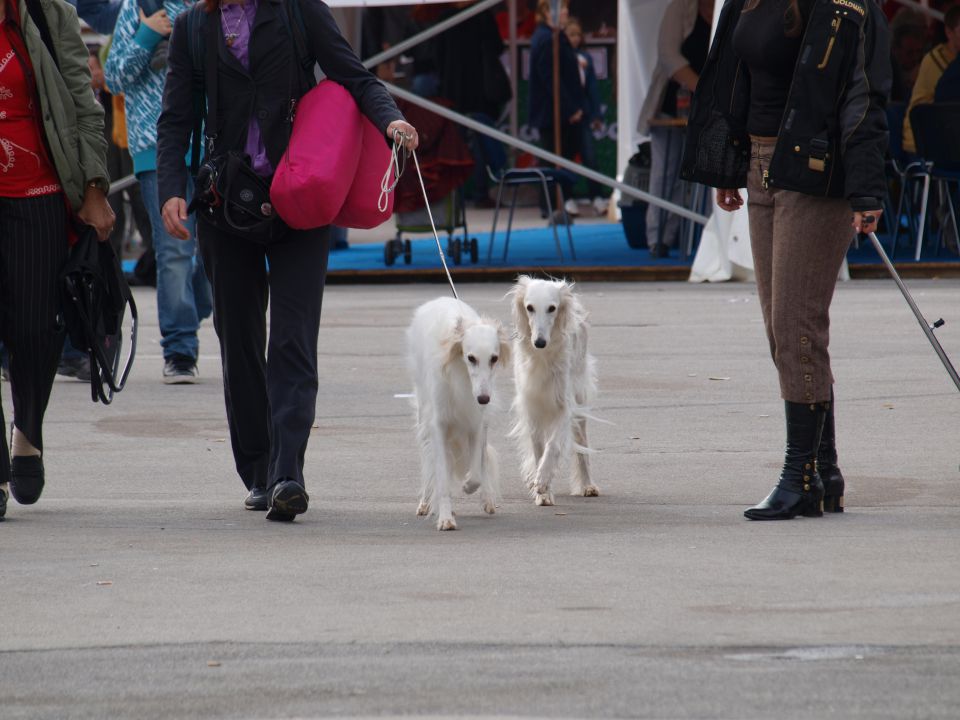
271,401
791,106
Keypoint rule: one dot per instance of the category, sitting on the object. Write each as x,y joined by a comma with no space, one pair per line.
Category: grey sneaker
180,370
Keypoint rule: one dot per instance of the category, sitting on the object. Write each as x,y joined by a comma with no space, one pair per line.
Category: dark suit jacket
540,110
264,92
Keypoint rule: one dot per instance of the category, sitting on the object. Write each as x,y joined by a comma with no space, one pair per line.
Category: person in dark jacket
270,399
572,100
791,104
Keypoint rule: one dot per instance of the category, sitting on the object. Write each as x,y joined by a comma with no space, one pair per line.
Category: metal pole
514,70
122,184
927,327
440,27
545,155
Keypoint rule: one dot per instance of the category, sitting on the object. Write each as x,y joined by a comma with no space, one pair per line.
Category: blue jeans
183,292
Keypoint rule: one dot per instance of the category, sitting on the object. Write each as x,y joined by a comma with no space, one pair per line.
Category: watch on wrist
99,184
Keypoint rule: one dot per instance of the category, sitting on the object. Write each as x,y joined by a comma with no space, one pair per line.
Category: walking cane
927,327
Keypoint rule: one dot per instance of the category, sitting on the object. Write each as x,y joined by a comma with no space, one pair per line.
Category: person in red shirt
34,213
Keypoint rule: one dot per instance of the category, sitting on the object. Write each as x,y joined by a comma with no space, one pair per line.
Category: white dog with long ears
454,355
556,381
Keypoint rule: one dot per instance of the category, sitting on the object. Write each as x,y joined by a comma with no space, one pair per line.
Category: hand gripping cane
927,327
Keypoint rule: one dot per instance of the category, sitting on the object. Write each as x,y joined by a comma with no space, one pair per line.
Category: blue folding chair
938,145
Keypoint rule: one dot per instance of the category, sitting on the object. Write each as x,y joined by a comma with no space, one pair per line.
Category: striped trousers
33,249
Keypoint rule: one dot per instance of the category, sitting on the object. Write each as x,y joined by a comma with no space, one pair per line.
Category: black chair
935,131
903,168
547,179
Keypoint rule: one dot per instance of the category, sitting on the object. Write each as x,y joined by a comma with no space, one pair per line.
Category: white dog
453,355
556,380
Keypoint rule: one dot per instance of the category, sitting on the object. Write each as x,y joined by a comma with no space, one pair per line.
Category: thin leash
392,177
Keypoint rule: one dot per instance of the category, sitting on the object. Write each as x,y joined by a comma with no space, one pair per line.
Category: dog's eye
493,359
529,308
471,359
552,308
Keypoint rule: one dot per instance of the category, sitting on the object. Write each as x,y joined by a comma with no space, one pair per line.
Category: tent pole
430,32
544,154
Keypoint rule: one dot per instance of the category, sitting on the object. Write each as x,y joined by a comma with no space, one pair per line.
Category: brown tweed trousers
798,243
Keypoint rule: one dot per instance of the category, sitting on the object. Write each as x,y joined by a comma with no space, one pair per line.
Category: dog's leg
488,473
547,468
426,465
580,481
441,485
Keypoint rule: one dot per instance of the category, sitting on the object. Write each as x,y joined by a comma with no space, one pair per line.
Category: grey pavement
138,587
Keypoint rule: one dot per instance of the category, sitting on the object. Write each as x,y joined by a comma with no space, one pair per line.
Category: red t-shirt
25,170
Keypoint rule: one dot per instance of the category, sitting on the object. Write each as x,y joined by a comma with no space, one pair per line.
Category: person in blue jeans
183,292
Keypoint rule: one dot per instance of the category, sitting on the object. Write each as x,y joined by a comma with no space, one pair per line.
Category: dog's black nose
483,399
540,343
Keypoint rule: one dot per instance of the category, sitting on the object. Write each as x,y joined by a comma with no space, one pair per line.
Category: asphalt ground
139,587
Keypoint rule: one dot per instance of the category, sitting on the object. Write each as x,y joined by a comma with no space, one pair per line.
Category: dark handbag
235,199
94,300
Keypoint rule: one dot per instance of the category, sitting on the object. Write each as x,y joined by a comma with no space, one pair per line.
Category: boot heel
814,510
833,503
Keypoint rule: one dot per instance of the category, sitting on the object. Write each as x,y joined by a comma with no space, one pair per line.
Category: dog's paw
588,491
488,507
470,487
446,524
423,508
544,499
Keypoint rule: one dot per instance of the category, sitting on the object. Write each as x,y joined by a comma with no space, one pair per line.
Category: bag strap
36,13
211,73
196,18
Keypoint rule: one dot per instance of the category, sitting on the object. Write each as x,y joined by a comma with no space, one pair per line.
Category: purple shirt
236,20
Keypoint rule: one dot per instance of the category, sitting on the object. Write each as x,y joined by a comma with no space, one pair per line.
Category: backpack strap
36,13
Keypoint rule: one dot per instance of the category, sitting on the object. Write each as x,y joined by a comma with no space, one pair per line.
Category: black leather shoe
827,468
257,499
287,500
800,489
26,478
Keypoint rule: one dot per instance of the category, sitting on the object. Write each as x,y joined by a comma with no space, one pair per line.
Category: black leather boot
827,464
800,490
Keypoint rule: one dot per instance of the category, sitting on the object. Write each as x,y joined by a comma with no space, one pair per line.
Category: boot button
806,488
806,478
807,466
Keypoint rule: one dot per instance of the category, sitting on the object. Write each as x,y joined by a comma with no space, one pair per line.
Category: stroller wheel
390,252
456,250
407,252
474,250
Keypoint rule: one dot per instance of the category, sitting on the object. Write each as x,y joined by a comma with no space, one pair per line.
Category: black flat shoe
26,478
287,500
257,499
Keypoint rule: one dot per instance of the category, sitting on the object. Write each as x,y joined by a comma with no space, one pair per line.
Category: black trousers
33,249
270,387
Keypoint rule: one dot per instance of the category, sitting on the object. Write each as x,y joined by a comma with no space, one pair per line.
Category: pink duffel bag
317,170
361,209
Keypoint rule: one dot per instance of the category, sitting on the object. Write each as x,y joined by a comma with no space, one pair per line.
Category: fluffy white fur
454,355
556,381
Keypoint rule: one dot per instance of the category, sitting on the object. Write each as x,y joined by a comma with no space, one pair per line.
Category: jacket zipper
835,25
